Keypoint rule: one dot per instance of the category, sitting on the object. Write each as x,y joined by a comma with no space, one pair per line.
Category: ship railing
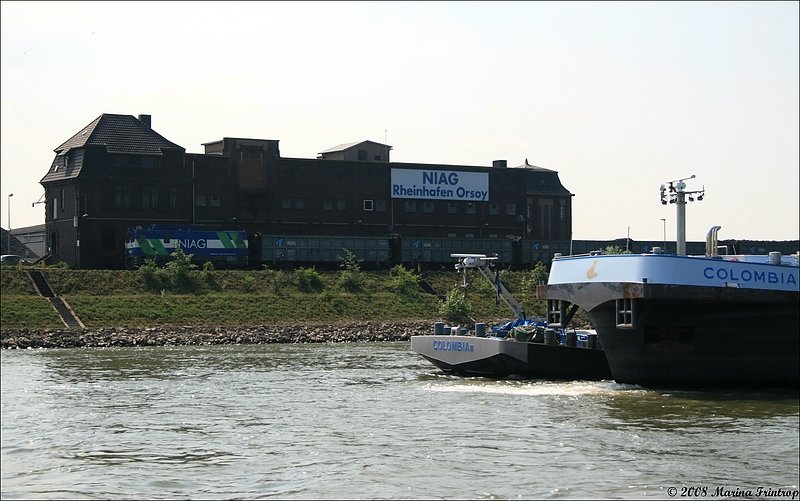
559,255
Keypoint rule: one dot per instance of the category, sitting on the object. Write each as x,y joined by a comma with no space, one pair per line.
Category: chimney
145,119
500,164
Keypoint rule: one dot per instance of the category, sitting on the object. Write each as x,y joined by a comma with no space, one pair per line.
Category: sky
617,97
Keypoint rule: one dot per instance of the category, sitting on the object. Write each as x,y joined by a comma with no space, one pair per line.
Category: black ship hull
690,337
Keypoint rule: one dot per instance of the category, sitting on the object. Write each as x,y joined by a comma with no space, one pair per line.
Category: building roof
119,134
526,165
347,146
124,134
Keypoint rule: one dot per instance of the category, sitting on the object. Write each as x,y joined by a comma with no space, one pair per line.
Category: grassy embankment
131,299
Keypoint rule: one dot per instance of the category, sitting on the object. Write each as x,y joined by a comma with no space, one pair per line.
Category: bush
151,275
308,279
403,281
178,270
351,278
613,249
209,277
455,307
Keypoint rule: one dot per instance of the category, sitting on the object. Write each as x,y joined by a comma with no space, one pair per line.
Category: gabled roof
347,146
119,134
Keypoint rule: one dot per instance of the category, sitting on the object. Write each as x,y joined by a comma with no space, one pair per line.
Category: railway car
223,248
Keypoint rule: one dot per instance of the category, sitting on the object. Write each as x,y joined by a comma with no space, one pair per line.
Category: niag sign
440,185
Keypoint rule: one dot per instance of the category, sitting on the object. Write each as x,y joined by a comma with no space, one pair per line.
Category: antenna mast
675,194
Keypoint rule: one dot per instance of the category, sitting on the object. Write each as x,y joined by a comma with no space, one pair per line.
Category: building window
148,162
341,204
471,208
563,210
126,197
362,154
427,206
173,198
411,206
452,208
327,204
299,203
62,198
286,203
377,158
494,209
55,210
200,201
215,201
511,209
368,205
380,205
149,198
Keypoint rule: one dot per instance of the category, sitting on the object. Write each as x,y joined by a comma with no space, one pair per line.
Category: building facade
118,173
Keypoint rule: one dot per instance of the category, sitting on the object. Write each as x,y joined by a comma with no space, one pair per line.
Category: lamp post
9,222
628,240
664,222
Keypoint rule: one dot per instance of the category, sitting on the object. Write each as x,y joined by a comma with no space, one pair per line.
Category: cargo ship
523,347
674,320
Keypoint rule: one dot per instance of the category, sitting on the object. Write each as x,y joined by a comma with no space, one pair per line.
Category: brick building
118,173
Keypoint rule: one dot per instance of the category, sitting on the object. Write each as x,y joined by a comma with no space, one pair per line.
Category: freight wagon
230,248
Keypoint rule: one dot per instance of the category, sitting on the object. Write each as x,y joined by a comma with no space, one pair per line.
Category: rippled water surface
367,421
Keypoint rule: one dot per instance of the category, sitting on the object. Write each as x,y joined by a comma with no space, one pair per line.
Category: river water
370,421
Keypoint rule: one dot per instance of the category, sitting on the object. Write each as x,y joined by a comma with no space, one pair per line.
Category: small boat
672,320
522,347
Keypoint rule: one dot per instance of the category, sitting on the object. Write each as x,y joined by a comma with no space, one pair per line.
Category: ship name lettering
453,346
731,274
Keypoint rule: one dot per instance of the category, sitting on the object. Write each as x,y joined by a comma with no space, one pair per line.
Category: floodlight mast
481,262
677,195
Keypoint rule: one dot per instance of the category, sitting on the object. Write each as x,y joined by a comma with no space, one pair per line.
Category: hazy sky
616,97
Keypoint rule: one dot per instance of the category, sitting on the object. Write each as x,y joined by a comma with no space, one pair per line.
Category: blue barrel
438,328
550,337
480,329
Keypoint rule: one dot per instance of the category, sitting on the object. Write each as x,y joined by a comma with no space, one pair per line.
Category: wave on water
536,388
